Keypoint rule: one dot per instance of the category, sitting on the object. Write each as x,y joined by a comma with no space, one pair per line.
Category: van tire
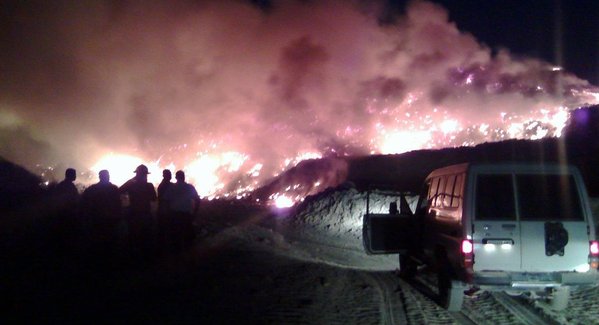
560,298
407,267
451,292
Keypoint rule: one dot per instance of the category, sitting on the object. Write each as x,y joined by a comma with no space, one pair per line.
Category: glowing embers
218,171
255,171
408,129
557,119
285,200
537,124
449,126
291,162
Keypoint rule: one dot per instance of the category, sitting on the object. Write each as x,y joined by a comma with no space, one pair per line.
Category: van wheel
560,298
451,292
407,267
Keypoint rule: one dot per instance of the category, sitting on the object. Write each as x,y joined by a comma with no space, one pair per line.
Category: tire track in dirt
391,306
384,298
524,312
481,308
583,308
384,295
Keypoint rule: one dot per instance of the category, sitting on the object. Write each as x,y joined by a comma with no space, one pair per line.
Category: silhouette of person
64,201
393,208
141,193
163,209
184,201
101,205
66,189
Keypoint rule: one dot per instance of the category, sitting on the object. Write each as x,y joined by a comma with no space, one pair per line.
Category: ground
252,265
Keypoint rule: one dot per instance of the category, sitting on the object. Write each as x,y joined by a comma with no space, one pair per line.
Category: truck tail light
594,254
468,256
594,247
467,247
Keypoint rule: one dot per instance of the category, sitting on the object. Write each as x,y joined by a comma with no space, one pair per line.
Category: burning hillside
236,94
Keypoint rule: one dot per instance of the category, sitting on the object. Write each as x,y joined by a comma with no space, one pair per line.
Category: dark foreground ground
247,266
225,278
202,285
43,284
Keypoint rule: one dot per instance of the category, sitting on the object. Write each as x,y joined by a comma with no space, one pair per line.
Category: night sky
563,32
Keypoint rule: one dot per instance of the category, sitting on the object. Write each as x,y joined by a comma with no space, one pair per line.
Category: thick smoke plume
236,93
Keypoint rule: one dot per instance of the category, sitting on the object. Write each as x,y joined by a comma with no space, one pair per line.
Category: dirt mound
338,212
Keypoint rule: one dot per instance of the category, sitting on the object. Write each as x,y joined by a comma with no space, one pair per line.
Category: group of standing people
178,203
101,211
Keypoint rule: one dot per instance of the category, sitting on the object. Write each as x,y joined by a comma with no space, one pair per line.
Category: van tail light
594,247
468,255
467,247
594,254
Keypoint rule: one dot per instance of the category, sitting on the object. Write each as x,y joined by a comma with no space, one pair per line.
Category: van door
496,235
386,233
552,223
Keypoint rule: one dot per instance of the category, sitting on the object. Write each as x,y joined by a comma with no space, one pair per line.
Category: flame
449,126
404,141
207,169
121,167
235,174
290,162
282,201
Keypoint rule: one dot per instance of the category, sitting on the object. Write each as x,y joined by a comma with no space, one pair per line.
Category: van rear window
548,197
495,197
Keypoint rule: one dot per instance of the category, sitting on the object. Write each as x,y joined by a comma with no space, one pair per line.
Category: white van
496,227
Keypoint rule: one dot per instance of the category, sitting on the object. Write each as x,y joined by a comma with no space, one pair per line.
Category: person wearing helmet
141,193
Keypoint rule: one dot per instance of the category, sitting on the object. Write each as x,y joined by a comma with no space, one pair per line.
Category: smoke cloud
178,81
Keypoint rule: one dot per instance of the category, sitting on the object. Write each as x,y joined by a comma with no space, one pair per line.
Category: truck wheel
451,292
407,267
560,298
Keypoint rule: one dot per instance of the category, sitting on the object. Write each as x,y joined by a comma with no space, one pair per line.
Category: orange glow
283,201
404,141
121,168
205,171
449,126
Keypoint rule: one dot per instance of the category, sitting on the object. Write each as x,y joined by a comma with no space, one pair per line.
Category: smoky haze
176,80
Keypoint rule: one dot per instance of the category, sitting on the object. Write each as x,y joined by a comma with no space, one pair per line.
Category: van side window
457,191
432,194
494,198
439,196
448,192
548,197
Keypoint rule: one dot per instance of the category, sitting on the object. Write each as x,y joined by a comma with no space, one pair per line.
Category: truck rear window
548,197
495,197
